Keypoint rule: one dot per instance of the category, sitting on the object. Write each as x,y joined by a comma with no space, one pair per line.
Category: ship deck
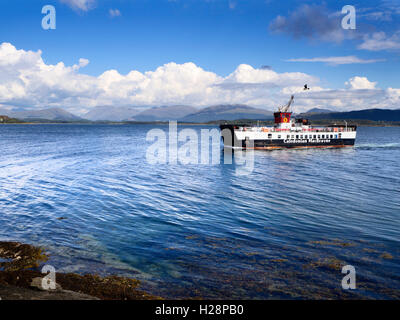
296,129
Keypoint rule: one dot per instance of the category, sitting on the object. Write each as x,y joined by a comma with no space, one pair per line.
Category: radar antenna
286,107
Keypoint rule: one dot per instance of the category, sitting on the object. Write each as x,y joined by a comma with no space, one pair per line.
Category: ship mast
286,107
282,117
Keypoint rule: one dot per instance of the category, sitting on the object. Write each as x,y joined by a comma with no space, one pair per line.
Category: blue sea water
283,231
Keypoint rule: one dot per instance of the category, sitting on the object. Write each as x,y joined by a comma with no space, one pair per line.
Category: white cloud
80,5
27,81
394,93
247,74
114,13
82,63
357,83
379,41
334,61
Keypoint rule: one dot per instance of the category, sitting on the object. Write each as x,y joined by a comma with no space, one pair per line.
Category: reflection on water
284,231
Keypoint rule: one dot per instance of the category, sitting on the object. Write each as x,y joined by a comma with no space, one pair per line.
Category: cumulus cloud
114,13
82,63
27,81
80,5
357,83
392,96
334,61
379,41
346,100
245,74
313,22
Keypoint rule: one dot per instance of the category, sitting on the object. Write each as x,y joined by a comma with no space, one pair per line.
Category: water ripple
201,226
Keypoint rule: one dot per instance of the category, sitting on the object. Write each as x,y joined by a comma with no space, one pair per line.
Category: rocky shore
20,279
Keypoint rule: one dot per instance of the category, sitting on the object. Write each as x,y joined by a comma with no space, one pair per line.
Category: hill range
52,114
368,114
190,114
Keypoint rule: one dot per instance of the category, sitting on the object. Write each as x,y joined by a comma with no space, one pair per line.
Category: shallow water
284,231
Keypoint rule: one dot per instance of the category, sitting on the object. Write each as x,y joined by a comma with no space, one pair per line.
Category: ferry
288,132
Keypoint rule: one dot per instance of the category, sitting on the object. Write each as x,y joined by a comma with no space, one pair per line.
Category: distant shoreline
360,123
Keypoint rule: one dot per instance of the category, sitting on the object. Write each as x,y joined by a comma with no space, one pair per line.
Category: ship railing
296,129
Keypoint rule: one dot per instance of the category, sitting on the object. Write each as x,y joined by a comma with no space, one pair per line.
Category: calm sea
284,231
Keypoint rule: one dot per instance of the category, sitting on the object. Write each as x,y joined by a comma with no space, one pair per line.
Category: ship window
288,136
315,136
297,136
319,137
301,137
279,136
323,136
340,135
306,136
331,136
269,135
292,136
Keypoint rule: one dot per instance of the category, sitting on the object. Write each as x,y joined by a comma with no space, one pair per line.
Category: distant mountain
165,113
368,114
54,114
227,112
317,110
191,114
110,113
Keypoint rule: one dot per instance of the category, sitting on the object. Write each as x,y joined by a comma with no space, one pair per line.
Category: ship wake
393,145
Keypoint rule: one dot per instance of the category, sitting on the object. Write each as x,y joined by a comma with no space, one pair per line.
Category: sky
144,53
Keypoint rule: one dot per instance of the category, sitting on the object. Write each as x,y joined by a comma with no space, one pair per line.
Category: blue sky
215,35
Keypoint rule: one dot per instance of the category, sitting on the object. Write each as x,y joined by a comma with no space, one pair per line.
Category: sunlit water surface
284,231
